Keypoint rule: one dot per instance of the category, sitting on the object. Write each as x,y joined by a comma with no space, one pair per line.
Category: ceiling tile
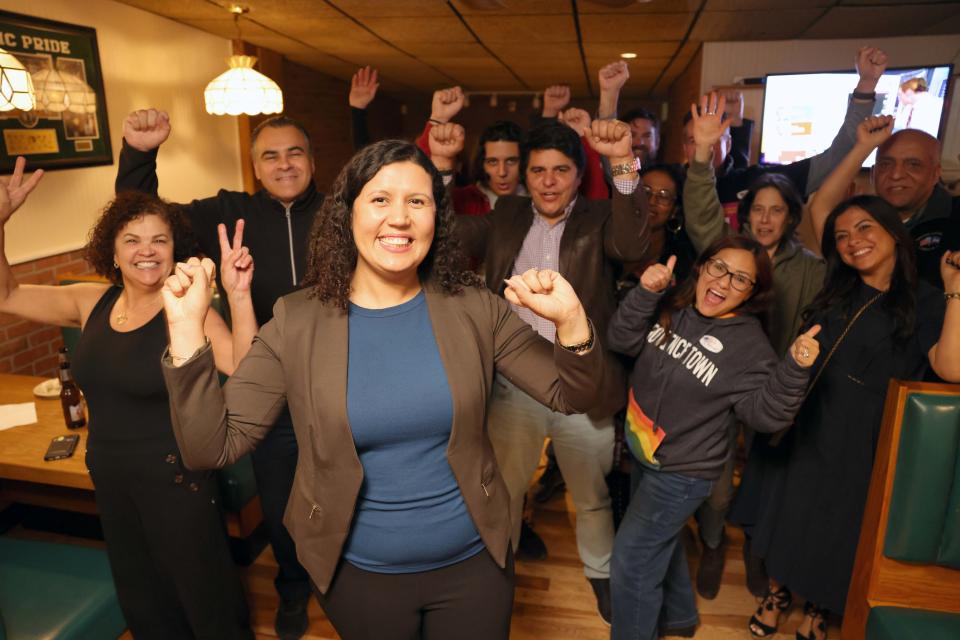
587,7
766,5
612,50
720,26
878,22
399,30
555,28
401,8
634,27
514,7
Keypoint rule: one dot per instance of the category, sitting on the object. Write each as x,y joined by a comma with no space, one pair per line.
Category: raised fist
146,129
613,76
611,138
446,142
576,119
871,63
874,131
446,104
555,98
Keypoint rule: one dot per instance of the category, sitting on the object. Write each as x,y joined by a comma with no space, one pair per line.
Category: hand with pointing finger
658,277
236,263
805,348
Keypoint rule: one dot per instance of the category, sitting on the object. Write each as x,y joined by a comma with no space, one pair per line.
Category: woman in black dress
162,523
879,322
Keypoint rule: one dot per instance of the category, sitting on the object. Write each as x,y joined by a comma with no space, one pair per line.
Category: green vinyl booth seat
61,591
896,623
924,521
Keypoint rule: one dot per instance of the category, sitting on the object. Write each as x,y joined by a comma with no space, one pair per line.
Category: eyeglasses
660,197
719,269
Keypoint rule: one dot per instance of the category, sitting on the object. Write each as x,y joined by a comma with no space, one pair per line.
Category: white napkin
15,415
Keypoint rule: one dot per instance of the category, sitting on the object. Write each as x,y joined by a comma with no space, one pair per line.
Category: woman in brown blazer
386,360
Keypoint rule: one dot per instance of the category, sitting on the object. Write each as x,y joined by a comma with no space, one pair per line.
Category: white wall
724,62
147,61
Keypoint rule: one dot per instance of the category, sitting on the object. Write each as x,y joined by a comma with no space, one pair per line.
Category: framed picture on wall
69,126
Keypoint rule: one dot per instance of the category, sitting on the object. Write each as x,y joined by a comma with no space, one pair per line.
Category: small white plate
48,389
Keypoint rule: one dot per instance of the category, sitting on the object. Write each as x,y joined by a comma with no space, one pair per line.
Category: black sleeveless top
120,375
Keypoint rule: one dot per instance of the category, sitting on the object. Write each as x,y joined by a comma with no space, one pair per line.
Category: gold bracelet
580,347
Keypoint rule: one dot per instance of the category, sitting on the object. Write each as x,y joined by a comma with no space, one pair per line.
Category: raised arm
236,273
627,332
871,133
215,426
768,396
611,78
626,235
62,306
144,131
702,211
555,99
945,354
592,183
363,89
871,63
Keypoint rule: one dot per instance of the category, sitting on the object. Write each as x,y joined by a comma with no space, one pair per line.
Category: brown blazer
600,235
300,359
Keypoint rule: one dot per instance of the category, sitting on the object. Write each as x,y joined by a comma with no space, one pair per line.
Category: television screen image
802,112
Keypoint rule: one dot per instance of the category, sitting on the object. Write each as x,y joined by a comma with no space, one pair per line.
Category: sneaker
292,620
601,589
550,482
531,546
710,571
757,579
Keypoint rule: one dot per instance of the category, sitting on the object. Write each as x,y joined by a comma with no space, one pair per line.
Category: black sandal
779,600
819,622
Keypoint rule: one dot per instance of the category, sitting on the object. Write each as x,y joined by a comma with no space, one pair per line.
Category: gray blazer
300,359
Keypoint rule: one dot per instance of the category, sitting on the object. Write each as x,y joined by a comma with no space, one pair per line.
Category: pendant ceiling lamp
16,86
60,91
242,89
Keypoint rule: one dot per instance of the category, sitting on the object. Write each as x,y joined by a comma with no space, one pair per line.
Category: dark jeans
167,546
469,600
274,464
712,514
649,580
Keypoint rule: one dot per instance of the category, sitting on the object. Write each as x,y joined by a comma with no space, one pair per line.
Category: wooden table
24,475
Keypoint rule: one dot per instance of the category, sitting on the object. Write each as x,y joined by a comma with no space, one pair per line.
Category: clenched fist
146,129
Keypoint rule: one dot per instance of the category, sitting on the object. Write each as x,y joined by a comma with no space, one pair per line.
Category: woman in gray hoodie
702,361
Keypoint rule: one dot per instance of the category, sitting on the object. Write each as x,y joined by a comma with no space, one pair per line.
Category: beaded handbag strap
843,335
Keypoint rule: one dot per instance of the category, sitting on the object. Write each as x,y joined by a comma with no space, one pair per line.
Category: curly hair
126,207
332,256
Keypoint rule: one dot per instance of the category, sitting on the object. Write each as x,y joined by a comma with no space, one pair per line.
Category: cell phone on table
62,447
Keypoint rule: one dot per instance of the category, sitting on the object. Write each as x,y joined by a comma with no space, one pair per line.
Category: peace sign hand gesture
658,277
236,263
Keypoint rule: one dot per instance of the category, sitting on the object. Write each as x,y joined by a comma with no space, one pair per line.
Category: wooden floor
553,599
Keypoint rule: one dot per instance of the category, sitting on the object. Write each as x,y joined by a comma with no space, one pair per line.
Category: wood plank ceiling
502,45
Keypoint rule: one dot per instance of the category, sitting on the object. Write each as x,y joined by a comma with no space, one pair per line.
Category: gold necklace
121,317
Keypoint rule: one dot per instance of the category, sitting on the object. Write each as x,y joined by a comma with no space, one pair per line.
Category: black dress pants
274,465
167,546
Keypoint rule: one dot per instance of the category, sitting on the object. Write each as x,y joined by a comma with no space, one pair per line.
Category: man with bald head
907,175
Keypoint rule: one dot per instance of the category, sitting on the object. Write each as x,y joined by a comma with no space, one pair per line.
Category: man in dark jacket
585,241
277,219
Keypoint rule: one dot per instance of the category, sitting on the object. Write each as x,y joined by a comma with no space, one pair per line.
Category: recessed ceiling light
628,56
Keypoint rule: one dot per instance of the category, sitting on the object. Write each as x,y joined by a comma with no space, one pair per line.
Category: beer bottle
70,398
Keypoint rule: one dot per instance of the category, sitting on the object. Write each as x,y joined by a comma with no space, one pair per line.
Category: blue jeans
649,580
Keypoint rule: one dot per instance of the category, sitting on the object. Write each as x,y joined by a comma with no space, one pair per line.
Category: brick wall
30,348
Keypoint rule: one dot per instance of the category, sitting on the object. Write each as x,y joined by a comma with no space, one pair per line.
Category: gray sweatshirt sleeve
627,330
702,211
822,164
771,395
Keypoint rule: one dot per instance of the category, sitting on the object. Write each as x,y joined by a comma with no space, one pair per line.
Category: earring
115,265
674,224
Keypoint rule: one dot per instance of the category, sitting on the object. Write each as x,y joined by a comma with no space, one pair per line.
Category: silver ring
804,353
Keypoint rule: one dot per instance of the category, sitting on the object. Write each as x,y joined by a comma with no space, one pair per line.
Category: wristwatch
625,168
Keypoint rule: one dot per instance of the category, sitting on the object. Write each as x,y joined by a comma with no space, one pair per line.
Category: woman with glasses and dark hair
702,361
386,360
879,322
769,212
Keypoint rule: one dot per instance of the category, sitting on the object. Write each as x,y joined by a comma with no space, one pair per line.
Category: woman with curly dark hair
164,530
386,361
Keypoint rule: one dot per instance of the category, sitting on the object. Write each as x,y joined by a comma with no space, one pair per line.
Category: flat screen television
802,112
